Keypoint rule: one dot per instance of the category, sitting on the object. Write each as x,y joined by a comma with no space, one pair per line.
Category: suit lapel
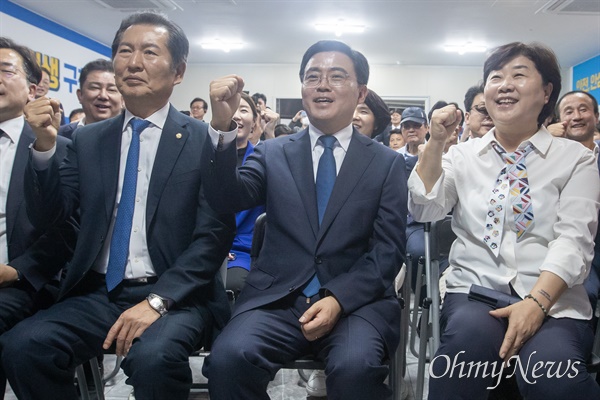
15,195
172,140
109,143
299,158
358,157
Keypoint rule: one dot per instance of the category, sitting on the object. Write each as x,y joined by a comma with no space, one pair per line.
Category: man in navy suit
158,295
350,248
98,95
30,258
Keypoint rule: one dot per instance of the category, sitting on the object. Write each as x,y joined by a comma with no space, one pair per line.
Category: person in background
477,120
260,100
299,121
525,208
371,117
396,139
238,261
198,108
578,116
76,115
98,95
414,127
282,130
453,139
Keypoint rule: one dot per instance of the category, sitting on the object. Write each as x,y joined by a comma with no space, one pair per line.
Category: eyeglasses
411,125
481,110
336,79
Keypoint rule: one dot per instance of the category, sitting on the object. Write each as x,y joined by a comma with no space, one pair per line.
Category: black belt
127,282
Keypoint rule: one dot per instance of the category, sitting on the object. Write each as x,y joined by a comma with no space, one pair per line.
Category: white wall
281,81
63,58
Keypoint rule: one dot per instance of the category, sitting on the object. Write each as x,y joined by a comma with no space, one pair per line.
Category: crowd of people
114,227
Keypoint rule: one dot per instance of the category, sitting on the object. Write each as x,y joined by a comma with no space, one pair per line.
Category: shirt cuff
221,140
416,188
41,159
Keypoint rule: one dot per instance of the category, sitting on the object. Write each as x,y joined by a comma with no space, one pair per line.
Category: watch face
156,303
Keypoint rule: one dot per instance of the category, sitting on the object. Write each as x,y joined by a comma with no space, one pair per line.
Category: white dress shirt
565,193
339,151
139,264
9,140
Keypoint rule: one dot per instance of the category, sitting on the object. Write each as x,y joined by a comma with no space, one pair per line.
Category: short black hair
361,65
441,104
96,65
594,101
379,110
257,96
472,92
33,72
282,129
178,44
544,60
75,111
204,103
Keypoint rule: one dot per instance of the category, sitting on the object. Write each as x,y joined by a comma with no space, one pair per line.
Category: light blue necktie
119,244
326,175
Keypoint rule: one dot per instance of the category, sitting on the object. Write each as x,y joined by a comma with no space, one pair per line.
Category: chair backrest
442,237
258,237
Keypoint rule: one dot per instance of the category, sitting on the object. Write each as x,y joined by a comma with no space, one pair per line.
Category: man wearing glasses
476,117
30,258
323,284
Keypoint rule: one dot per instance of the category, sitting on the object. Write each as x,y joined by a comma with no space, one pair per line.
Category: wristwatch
159,304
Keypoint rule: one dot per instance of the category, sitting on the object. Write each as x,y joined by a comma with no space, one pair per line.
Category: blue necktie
326,175
119,244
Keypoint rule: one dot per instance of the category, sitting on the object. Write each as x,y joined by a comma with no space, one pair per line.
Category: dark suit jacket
187,241
360,245
38,254
67,130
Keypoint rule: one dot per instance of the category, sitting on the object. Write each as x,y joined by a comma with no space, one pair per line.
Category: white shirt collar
157,119
13,128
343,136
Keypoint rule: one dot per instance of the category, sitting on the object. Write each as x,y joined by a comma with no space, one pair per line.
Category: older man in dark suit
336,211
30,258
144,270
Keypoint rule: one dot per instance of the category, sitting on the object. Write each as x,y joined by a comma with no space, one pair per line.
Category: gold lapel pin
178,136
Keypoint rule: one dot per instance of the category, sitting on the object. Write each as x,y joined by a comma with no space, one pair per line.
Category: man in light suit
349,247
147,282
30,258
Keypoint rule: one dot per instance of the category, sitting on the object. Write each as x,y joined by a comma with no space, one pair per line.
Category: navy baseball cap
414,114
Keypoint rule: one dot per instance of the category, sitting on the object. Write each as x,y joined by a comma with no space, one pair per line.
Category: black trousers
255,344
552,363
40,354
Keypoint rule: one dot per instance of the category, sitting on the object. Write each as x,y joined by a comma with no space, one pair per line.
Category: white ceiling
407,32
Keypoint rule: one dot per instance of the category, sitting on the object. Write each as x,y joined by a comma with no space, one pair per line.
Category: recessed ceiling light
223,45
468,47
340,26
